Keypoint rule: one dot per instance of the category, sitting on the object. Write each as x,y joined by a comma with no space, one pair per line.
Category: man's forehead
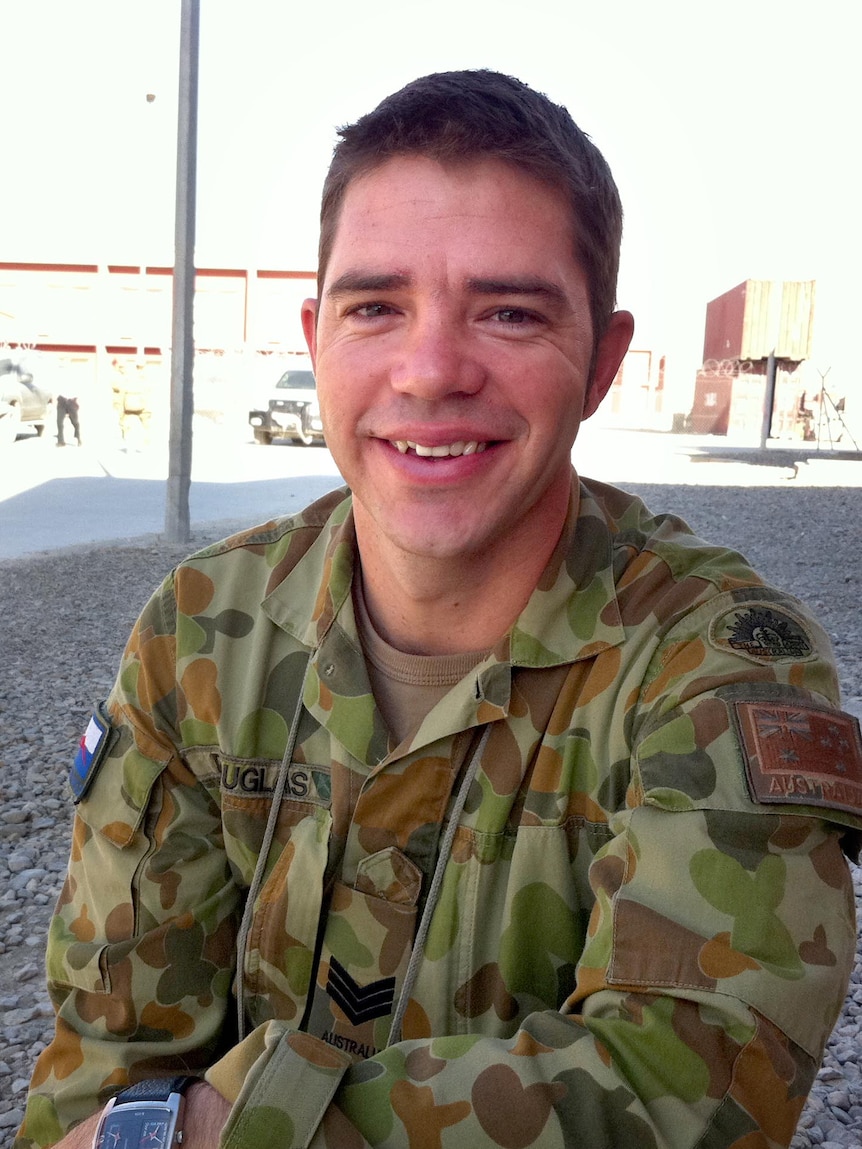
368,212
408,169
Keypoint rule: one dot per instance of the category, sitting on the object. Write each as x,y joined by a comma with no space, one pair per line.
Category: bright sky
732,130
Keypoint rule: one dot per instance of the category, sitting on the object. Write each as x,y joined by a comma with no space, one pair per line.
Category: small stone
18,1016
15,817
829,1073
30,874
838,1099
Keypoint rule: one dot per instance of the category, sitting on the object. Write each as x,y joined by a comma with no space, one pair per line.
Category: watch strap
155,1089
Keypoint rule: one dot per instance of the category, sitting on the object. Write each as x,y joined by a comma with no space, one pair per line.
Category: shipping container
710,410
729,400
759,317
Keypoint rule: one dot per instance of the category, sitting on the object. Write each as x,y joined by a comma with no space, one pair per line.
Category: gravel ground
64,617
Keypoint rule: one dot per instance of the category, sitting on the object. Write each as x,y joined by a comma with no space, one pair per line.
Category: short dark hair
458,116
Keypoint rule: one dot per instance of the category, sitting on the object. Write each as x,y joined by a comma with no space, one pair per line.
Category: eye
371,310
514,316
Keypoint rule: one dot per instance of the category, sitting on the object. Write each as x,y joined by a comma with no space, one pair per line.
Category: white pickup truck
292,412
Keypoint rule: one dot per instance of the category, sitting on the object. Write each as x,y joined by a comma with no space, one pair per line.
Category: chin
446,544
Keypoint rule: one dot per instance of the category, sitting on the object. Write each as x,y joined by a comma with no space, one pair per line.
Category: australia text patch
91,750
763,633
807,755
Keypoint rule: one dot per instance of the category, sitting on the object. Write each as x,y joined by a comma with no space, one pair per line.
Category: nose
436,359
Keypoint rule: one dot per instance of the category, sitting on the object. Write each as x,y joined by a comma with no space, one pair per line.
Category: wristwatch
144,1116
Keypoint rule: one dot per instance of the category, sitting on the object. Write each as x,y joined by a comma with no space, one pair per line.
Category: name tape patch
802,754
245,779
91,750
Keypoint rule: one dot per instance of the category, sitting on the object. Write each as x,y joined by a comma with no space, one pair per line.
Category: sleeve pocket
119,796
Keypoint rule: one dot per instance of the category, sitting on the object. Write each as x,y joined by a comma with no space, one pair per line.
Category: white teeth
443,451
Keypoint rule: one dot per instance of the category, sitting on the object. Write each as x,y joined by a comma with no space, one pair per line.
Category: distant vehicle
293,411
22,403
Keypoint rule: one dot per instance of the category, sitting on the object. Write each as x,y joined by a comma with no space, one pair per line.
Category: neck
424,605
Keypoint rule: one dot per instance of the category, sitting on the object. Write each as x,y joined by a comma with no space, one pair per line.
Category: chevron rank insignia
91,751
359,1003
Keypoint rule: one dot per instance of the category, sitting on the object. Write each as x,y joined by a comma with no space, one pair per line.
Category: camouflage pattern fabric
645,928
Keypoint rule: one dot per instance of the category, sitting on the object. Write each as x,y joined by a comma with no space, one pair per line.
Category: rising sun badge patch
762,633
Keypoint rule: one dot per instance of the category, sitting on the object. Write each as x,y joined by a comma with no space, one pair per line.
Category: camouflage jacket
639,931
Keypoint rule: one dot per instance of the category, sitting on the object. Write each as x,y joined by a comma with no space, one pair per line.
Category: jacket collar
573,614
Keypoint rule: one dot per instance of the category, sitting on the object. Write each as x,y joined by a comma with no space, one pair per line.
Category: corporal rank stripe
359,1002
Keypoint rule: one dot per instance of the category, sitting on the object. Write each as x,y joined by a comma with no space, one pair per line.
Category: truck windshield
296,380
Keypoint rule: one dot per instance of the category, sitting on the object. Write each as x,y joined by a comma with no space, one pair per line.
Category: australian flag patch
91,750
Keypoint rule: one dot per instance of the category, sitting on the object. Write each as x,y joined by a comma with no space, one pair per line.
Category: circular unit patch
763,633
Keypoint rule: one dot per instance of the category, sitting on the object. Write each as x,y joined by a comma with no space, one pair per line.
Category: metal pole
768,400
822,402
182,338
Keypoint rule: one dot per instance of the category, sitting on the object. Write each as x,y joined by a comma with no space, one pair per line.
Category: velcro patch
245,778
763,633
807,755
90,753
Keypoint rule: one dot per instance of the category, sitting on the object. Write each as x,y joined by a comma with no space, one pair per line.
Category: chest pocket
366,949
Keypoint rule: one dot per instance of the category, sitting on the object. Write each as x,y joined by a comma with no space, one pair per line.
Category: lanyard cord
435,888
263,856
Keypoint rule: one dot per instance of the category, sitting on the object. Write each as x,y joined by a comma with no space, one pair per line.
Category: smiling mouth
443,451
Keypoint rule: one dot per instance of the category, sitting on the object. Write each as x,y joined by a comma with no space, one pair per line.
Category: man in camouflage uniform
477,806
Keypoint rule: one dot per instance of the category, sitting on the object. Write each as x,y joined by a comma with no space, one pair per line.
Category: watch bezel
173,1105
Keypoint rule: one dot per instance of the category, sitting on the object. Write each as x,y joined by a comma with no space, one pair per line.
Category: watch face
130,1128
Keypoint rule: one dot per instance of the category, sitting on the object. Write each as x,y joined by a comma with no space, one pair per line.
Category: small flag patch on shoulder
805,755
91,750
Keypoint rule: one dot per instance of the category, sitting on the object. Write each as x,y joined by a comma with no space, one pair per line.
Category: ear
308,315
609,354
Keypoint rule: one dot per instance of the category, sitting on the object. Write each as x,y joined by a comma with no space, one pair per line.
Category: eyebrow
353,281
361,281
512,287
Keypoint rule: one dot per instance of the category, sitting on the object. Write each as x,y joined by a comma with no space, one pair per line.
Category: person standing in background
68,406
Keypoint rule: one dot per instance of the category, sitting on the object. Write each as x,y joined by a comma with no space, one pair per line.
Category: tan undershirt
406,686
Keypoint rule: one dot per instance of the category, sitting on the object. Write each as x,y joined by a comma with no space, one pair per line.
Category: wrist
205,1116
